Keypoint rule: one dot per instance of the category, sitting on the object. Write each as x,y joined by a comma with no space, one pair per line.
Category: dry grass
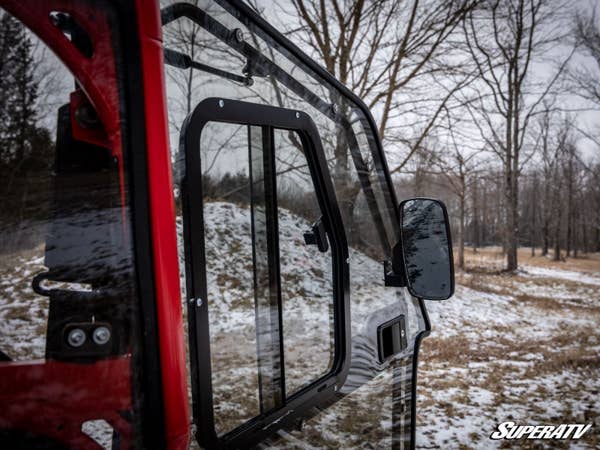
481,259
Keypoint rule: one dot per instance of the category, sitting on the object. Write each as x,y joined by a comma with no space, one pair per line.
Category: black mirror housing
424,254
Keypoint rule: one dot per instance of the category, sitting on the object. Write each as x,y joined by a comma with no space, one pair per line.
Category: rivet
239,35
221,103
76,337
101,335
297,115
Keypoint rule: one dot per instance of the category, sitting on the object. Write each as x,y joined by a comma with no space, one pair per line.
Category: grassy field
522,348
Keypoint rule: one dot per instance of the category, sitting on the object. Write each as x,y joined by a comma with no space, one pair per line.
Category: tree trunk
557,236
545,237
512,241
346,189
575,242
569,237
476,232
508,181
347,199
569,242
513,168
511,225
461,232
546,208
533,206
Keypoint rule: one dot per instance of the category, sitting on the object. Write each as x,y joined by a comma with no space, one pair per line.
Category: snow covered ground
524,348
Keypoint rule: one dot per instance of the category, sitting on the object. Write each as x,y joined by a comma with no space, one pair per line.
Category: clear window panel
230,273
306,273
270,293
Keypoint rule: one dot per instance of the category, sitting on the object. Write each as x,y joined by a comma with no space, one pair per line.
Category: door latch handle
317,236
391,338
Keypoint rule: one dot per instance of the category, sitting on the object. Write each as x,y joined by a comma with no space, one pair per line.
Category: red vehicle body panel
164,240
52,398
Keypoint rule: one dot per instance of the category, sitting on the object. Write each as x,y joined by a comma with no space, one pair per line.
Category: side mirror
426,249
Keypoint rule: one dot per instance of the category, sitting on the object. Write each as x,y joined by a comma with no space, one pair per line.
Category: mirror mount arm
317,236
391,278
394,274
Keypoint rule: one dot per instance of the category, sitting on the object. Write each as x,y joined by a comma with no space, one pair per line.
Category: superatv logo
510,430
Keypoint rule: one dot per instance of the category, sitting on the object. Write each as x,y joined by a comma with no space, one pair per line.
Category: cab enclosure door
287,221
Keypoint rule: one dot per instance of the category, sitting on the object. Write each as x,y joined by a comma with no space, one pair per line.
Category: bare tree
586,77
379,49
505,38
550,153
564,142
394,55
459,169
533,210
459,166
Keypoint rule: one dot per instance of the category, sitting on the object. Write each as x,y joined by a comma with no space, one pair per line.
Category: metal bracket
317,236
391,278
183,61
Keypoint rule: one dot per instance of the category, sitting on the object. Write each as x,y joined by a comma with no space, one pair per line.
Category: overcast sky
281,14
54,77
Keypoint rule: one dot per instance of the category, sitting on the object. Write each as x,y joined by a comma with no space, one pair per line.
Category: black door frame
325,387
